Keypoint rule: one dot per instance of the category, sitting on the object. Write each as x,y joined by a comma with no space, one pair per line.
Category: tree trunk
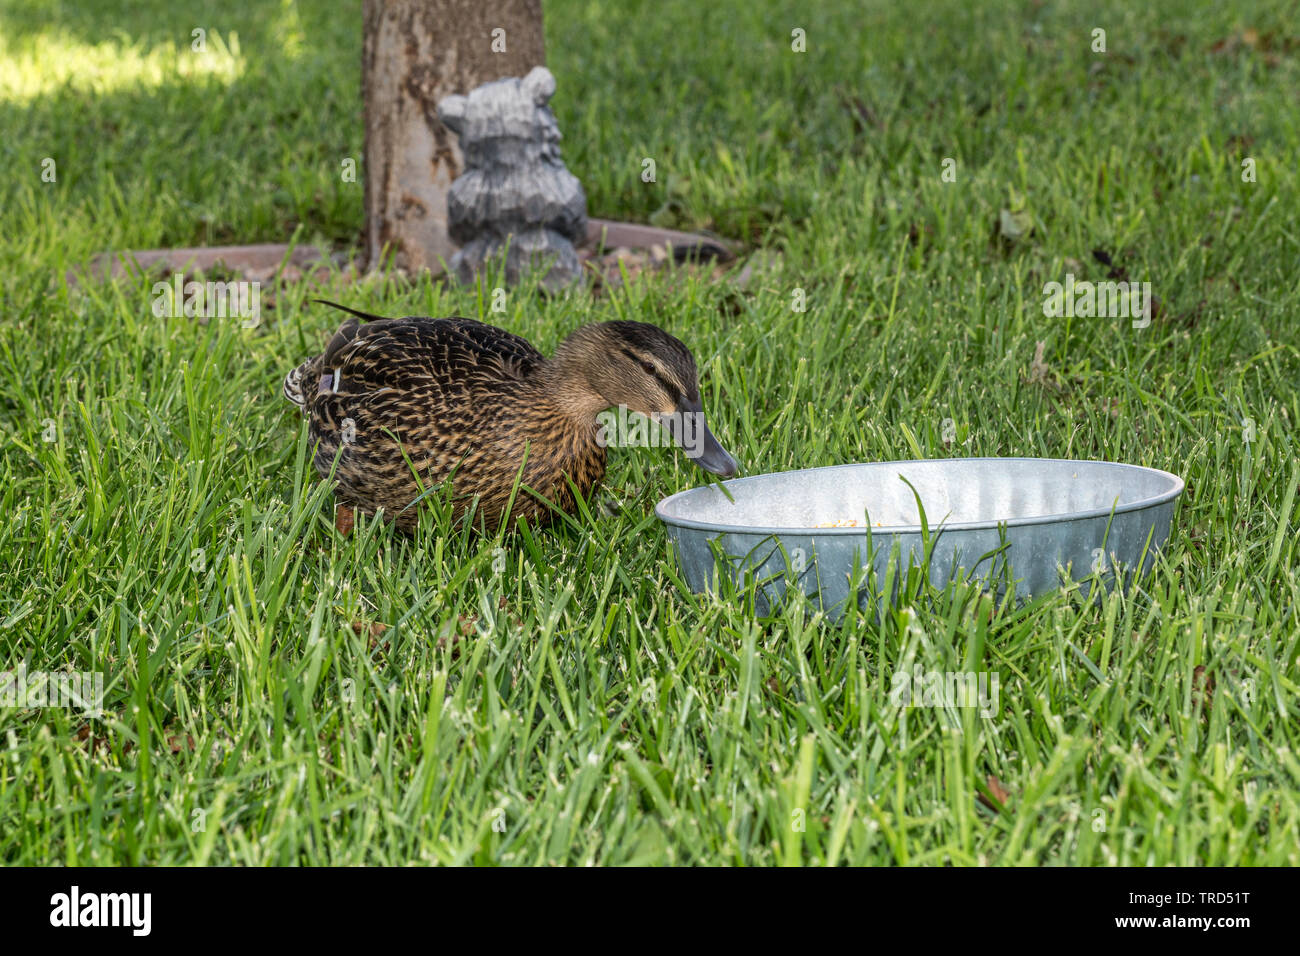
414,53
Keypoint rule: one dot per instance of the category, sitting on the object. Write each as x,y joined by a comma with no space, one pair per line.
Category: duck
398,407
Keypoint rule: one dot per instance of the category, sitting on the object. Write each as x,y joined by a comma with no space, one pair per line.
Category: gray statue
515,193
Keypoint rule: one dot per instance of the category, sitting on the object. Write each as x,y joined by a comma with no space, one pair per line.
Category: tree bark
415,52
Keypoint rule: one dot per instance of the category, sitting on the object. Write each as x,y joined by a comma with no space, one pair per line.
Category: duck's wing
422,380
503,346
433,385
454,356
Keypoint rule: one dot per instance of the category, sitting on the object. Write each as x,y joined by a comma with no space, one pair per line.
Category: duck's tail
343,308
304,381
295,382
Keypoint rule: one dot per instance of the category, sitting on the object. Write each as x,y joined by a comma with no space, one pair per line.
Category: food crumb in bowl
842,523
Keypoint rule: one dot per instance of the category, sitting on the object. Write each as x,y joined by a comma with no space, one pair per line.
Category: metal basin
1027,523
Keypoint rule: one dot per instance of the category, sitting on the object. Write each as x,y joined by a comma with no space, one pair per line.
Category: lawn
276,693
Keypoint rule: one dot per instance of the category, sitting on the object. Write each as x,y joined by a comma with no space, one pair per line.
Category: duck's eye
648,368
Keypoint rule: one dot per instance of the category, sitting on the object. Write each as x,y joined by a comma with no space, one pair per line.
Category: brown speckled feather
442,398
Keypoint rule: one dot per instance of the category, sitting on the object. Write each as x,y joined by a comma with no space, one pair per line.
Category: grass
172,536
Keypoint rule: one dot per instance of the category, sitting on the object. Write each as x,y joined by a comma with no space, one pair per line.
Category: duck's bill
714,458
690,430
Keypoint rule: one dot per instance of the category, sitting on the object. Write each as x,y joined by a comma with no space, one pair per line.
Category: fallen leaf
376,630
344,519
1202,689
997,791
1039,370
83,735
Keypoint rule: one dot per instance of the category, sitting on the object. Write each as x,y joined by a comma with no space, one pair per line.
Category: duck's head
642,368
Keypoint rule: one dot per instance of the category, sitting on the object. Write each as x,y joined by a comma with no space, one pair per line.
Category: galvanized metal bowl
1028,523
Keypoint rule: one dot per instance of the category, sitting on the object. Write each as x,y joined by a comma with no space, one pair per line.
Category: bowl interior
953,491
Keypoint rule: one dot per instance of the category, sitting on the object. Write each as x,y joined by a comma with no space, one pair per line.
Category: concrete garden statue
515,195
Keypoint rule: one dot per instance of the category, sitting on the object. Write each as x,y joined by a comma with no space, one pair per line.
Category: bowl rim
1176,488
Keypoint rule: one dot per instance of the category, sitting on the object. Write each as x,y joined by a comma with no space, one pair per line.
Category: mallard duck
453,398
